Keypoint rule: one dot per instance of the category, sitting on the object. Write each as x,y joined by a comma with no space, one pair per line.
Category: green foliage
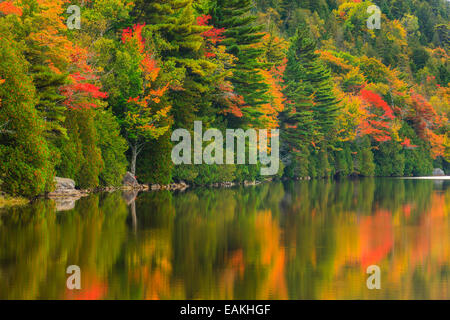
390,162
80,153
26,167
242,37
366,164
155,163
113,147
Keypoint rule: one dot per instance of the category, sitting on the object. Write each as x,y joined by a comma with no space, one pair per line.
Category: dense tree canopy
90,103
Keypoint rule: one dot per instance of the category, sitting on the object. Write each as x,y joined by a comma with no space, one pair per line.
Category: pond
291,240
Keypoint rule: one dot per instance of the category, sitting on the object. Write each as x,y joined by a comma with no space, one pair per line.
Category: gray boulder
438,172
65,189
63,184
129,180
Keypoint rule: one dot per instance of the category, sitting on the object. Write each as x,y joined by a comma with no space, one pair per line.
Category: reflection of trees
334,230
309,239
148,254
228,240
26,251
38,245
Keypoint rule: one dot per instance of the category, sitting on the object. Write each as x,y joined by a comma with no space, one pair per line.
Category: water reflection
304,240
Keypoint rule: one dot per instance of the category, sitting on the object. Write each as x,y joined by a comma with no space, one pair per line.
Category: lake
291,240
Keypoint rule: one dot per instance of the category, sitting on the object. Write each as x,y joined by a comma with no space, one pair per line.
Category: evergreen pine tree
319,84
296,121
242,39
178,39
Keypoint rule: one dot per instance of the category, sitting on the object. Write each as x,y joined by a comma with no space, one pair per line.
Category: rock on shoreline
65,188
66,194
438,172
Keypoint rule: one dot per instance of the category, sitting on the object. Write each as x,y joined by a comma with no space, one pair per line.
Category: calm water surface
303,240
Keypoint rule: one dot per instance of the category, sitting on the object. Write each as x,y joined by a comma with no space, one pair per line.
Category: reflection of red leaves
407,210
96,291
376,237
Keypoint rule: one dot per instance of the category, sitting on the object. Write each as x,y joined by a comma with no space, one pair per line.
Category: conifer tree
242,39
47,50
297,122
319,84
178,38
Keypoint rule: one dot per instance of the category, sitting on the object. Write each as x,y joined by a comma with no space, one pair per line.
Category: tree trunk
133,159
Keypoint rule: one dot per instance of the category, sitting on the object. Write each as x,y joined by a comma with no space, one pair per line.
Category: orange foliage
8,7
51,36
234,103
271,110
148,65
407,143
437,142
334,61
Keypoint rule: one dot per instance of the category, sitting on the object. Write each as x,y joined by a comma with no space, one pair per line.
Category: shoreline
7,201
183,186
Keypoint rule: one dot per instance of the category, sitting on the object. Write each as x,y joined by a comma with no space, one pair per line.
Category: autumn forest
94,102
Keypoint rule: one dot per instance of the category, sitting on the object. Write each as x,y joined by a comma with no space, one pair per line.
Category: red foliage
376,121
148,65
7,7
422,114
377,102
82,93
135,32
407,143
211,36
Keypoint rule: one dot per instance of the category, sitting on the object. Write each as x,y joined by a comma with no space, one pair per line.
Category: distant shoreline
425,178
